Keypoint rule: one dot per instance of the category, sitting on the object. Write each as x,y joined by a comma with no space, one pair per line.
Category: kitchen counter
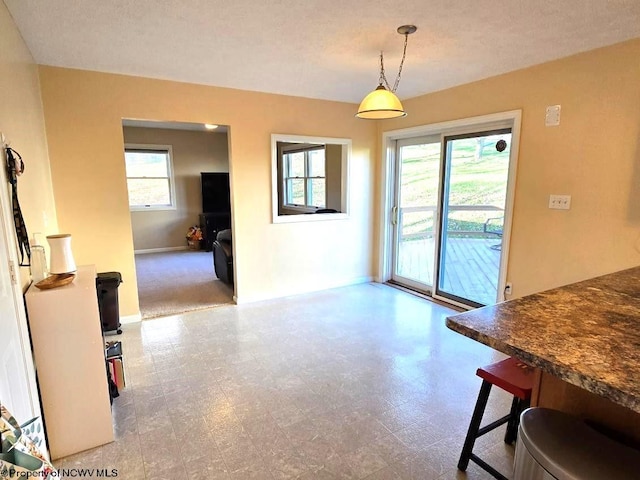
586,334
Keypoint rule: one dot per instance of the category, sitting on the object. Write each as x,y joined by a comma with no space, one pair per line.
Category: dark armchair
223,256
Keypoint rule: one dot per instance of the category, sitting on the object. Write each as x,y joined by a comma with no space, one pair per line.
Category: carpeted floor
177,282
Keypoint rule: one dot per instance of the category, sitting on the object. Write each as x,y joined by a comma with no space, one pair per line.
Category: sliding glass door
418,176
473,199
449,214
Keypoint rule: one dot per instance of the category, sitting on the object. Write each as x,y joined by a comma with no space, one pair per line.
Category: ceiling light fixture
382,102
210,126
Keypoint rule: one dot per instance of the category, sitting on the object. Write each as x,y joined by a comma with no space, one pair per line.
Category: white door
18,390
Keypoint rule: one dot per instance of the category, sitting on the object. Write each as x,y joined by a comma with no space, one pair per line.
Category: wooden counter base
551,392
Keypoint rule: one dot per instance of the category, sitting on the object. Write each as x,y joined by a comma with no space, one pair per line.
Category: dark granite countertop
586,333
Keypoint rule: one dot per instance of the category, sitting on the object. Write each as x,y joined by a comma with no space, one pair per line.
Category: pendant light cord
383,78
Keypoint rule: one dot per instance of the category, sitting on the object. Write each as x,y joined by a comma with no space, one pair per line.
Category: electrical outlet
560,202
508,288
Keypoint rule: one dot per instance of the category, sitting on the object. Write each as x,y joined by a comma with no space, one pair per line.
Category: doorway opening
448,205
177,213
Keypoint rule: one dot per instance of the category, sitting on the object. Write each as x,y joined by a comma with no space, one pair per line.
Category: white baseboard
344,283
131,318
357,280
158,250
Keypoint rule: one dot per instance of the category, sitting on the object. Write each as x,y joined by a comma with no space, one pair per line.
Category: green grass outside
478,177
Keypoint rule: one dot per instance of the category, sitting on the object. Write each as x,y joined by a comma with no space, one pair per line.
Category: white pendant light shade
380,104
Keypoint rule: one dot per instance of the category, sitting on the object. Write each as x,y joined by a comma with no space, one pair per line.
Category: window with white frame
149,177
304,178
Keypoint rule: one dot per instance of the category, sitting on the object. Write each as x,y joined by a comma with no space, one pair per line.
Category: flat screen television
215,192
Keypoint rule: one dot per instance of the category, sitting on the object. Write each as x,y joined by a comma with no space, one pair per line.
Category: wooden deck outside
471,267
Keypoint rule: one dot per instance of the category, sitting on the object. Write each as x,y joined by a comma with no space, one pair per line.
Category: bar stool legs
513,377
474,426
517,407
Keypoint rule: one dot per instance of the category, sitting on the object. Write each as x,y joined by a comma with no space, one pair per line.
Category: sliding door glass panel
418,172
474,189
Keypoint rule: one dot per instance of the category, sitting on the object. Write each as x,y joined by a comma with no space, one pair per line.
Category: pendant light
382,102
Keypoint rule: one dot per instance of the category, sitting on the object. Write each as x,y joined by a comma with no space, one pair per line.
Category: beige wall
84,111
193,152
22,123
594,156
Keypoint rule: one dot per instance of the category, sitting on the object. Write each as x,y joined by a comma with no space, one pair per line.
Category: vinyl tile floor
361,382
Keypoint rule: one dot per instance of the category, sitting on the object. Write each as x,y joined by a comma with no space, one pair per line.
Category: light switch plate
552,116
560,202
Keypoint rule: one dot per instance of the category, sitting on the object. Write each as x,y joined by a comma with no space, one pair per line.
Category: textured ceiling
320,49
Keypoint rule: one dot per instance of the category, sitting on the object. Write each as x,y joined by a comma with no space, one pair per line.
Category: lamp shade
380,104
61,256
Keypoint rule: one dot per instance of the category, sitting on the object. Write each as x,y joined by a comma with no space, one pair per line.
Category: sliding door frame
396,227
510,119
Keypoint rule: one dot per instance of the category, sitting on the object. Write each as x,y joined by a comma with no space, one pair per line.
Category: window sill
296,209
152,209
310,217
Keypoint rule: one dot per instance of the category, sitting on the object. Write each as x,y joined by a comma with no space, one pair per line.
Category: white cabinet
70,365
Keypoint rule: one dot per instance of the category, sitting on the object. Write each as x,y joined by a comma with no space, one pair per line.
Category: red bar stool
514,377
